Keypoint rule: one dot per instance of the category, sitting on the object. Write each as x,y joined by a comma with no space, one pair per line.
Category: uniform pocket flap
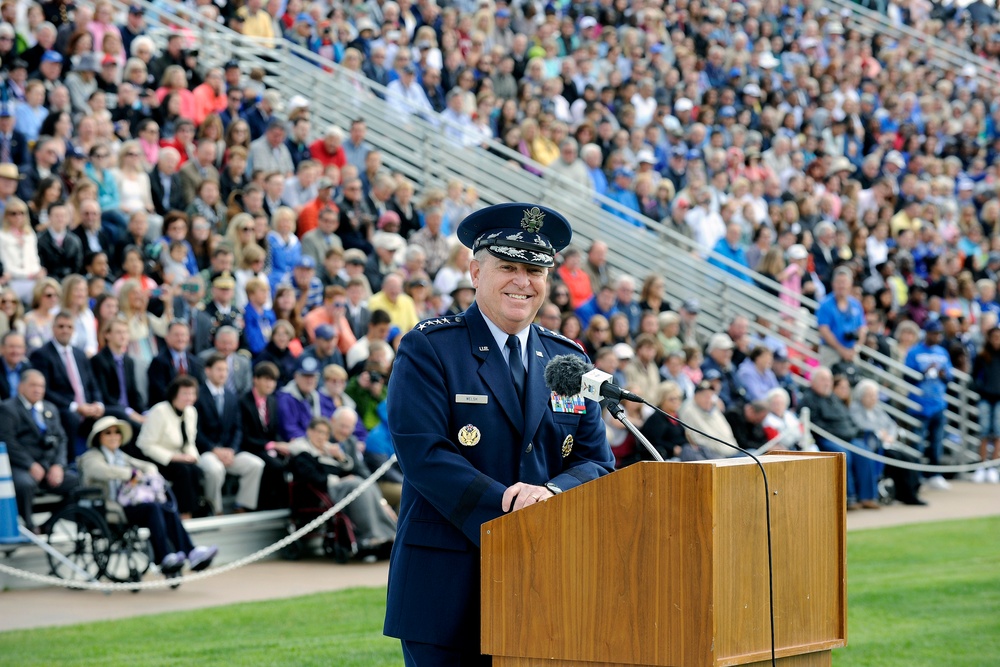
435,534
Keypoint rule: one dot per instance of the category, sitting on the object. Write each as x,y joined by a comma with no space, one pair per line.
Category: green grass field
923,595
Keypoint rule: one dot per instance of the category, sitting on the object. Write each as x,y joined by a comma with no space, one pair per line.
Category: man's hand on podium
521,495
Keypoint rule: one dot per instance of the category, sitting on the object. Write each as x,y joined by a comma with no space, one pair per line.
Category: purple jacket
296,412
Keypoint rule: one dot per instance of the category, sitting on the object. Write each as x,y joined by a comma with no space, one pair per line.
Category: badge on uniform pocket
567,446
468,436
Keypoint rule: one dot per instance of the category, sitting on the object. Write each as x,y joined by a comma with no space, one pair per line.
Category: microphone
568,375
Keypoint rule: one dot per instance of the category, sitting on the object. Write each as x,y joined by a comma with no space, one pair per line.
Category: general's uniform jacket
461,440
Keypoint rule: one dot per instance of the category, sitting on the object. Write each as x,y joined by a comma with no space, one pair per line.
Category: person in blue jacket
933,363
477,433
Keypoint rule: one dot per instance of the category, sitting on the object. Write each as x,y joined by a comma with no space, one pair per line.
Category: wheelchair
306,502
97,539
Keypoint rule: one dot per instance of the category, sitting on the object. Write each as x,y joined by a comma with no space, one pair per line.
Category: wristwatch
553,488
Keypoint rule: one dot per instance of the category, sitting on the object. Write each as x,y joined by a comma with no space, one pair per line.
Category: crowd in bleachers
181,246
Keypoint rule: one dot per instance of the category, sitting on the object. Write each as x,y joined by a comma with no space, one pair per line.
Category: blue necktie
39,421
122,392
517,373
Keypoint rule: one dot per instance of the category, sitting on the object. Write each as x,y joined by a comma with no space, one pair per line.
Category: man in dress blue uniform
477,432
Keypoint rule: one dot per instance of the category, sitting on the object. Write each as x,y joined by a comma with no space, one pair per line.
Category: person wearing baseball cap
620,190
467,394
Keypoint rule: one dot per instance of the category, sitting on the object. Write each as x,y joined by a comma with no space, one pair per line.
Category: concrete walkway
279,579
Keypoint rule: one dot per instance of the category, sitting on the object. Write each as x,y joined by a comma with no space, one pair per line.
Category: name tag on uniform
572,405
475,399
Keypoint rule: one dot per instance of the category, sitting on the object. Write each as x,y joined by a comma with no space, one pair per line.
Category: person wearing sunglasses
108,468
19,249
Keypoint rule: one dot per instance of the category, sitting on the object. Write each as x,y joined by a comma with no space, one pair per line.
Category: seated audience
219,438
36,444
871,418
169,439
299,400
705,413
326,465
782,423
663,431
107,467
830,413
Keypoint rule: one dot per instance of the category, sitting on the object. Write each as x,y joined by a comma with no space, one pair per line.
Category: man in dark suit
36,444
165,184
198,168
13,145
60,252
13,362
45,159
495,440
188,306
114,373
172,361
357,311
219,437
92,233
260,417
70,384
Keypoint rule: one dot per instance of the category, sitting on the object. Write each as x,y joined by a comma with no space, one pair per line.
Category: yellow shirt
403,313
259,25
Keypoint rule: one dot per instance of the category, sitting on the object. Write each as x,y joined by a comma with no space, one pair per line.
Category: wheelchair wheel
82,536
129,557
294,550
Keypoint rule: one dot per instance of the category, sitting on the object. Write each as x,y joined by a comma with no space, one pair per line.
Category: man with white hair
593,159
570,167
165,182
269,152
328,149
382,261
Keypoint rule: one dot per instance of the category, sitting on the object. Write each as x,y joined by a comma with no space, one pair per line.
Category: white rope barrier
198,576
907,465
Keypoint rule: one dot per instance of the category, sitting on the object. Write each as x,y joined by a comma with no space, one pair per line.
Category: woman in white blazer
168,438
107,467
19,250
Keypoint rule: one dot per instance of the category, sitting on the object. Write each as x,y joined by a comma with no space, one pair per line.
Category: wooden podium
666,564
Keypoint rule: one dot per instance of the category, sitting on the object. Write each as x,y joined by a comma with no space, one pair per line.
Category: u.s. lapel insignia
567,446
469,435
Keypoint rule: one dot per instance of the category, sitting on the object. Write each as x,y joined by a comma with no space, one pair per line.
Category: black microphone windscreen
564,373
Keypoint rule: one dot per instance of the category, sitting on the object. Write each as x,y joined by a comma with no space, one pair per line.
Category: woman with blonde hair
211,129
44,306
11,311
456,268
286,251
76,302
144,328
134,191
240,235
772,265
402,203
19,249
174,81
251,266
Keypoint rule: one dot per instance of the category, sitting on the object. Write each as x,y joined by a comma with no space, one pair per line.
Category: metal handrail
941,54
420,150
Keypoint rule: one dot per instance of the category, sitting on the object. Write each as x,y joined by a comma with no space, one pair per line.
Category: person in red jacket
329,150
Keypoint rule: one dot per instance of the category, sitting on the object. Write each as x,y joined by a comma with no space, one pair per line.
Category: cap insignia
532,220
